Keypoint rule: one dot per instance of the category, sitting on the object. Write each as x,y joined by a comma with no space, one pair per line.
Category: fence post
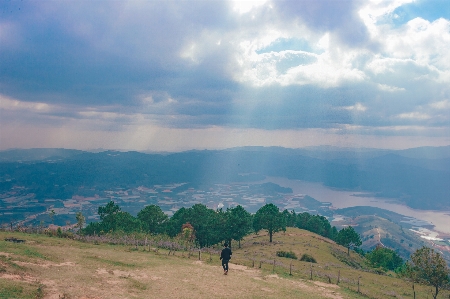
290,269
199,254
273,269
339,277
310,271
260,264
358,282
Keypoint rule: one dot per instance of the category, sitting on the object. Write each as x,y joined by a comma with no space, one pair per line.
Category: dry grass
332,261
58,268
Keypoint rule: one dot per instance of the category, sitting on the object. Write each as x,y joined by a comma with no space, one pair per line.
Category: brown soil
178,278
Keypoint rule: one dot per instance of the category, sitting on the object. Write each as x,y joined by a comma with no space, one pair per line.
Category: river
344,199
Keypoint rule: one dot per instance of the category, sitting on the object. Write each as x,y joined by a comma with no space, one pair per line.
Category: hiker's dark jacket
226,254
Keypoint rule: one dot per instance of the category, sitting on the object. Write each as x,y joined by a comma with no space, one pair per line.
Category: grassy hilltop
50,267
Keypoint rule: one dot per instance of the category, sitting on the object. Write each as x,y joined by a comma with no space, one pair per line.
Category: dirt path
147,276
379,237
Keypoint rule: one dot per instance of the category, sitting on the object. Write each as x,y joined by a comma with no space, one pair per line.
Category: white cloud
303,68
10,35
324,42
441,105
156,99
414,116
374,10
382,65
358,107
390,88
110,116
245,6
7,103
424,42
190,52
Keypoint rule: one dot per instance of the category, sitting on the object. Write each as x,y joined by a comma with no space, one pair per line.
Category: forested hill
417,176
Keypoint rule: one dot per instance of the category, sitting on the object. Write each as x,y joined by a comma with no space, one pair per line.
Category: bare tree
80,220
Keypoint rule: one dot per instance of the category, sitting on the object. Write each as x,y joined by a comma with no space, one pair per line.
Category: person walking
225,256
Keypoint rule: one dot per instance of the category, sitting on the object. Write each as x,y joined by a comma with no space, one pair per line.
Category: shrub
308,258
384,258
346,259
287,254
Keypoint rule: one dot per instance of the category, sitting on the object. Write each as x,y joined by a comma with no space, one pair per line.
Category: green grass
22,249
19,290
6,263
136,284
287,254
308,258
112,262
29,252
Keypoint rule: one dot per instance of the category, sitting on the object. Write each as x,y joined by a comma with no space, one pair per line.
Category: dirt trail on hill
167,277
205,281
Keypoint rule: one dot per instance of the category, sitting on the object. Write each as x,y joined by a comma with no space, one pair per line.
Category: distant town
19,207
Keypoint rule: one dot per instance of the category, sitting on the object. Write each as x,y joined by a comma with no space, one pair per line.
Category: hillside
383,229
50,267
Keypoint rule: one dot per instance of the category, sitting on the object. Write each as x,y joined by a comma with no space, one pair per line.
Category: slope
49,267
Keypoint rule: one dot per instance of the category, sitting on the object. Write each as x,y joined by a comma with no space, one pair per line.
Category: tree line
215,226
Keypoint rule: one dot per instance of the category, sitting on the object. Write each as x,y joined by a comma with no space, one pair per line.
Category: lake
344,199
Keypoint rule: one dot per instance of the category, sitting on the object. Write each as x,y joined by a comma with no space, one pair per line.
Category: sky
180,75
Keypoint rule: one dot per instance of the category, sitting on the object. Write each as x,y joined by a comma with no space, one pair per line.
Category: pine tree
269,217
348,237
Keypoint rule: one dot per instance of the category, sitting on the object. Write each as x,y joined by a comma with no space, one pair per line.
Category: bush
384,258
346,259
59,233
308,258
286,254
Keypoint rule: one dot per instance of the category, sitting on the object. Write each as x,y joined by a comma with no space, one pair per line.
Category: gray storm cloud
281,65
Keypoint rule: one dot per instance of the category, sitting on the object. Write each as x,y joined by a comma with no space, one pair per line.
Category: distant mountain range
420,177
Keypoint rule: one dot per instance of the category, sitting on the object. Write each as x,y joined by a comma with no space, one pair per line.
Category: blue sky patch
429,10
284,44
291,60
